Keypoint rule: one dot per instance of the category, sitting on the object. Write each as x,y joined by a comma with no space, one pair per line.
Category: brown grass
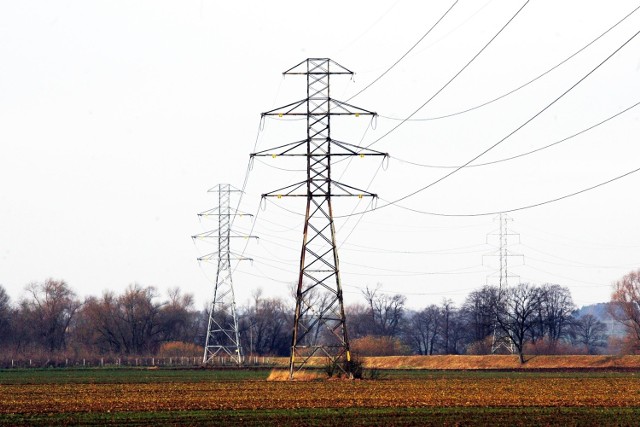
307,375
466,362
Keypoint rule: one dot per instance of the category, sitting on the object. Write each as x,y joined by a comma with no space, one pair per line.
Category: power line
566,196
517,156
457,169
452,78
405,54
524,84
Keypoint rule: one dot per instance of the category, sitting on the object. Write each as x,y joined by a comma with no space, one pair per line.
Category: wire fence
148,362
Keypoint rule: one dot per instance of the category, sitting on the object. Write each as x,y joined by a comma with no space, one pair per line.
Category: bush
379,346
179,349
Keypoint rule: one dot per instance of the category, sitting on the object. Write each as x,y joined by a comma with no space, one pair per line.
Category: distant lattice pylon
223,335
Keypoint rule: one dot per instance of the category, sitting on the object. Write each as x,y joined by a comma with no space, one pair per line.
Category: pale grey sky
117,116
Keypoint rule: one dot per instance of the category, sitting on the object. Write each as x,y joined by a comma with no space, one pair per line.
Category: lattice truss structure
500,340
319,323
223,335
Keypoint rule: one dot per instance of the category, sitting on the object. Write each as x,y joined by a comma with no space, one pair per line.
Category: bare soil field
408,395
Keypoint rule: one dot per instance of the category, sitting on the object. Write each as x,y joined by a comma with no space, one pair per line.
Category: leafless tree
589,332
178,319
516,312
47,311
266,326
5,317
479,311
386,311
423,330
553,318
625,304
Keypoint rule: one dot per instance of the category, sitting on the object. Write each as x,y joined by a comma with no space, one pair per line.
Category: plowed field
604,399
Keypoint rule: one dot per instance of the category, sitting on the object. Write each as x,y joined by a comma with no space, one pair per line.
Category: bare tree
479,312
359,321
266,326
516,311
625,304
556,307
423,330
5,316
48,310
177,318
589,332
130,323
386,311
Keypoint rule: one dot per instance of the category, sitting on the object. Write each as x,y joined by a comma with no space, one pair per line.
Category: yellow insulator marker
279,196
361,155
273,156
357,114
359,196
280,115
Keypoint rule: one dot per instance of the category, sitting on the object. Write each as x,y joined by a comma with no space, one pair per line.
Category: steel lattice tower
223,335
499,338
319,323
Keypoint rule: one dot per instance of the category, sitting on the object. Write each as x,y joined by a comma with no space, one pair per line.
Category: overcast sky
116,117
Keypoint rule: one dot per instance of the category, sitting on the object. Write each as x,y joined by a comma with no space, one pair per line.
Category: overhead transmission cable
457,169
517,156
403,121
405,54
522,85
521,208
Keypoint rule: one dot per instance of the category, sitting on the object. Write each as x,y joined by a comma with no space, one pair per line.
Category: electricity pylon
319,322
500,339
223,335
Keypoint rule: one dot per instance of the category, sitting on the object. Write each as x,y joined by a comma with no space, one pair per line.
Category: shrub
378,346
179,349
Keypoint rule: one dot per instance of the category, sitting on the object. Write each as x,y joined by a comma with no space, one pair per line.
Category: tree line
50,319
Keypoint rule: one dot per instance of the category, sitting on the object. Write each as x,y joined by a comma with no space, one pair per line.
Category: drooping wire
437,181
403,121
522,154
521,208
522,85
369,27
405,54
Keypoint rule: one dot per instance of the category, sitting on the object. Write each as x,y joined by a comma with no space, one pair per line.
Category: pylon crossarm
213,211
214,256
232,212
351,191
317,66
206,234
356,150
216,235
224,188
288,110
287,191
348,109
274,151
